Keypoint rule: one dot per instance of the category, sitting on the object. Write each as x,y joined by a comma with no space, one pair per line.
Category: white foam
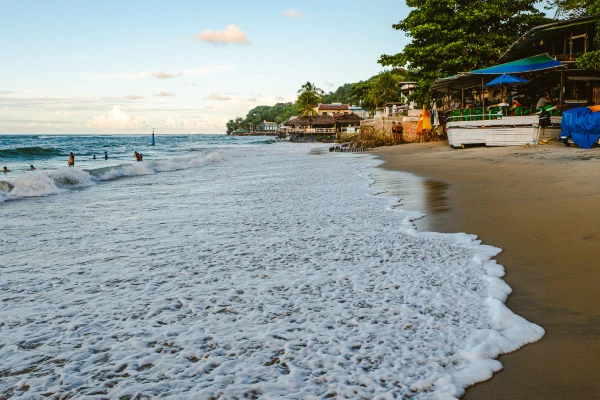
276,274
47,182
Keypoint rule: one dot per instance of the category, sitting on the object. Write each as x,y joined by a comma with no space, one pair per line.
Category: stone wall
380,129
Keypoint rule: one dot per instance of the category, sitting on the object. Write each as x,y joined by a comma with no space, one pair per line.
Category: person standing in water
71,160
93,158
5,170
105,155
31,167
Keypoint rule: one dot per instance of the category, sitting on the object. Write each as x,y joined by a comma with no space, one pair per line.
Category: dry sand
541,205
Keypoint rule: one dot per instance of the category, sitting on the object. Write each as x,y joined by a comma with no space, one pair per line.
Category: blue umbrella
508,80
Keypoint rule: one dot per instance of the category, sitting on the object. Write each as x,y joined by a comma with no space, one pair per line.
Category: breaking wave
43,183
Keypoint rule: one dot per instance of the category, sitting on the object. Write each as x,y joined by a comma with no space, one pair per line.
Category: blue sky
180,66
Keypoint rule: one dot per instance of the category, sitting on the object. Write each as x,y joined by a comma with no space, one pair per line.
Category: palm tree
311,88
307,102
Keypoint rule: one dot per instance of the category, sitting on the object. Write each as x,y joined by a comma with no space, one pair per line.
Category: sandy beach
540,205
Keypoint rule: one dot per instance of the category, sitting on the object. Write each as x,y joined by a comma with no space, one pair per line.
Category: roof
481,76
529,64
333,106
346,118
532,40
318,120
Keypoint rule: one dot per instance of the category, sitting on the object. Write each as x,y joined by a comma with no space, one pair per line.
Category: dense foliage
450,36
575,8
279,113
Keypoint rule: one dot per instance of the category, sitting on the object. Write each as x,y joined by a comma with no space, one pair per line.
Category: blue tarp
582,126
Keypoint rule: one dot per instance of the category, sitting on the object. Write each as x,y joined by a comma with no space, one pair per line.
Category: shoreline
538,205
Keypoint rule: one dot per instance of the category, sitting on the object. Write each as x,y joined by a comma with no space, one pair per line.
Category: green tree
307,102
450,36
575,8
311,88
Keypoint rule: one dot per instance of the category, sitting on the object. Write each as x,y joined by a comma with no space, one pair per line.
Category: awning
474,78
529,64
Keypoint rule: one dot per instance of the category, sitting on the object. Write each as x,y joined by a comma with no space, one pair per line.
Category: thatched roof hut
318,120
347,119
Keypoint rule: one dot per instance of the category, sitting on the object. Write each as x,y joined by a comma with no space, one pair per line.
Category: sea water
224,267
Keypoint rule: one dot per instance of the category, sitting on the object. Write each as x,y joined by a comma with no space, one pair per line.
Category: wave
30,152
43,183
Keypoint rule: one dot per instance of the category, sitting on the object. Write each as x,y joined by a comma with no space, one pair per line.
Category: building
320,128
347,124
358,110
406,89
391,110
333,108
267,128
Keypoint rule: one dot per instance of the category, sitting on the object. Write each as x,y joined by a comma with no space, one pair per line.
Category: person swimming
32,168
5,170
71,162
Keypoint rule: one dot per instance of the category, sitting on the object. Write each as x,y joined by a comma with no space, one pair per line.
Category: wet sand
541,205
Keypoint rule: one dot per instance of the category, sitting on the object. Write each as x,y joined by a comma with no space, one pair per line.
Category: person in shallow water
71,162
5,170
31,167
94,157
105,155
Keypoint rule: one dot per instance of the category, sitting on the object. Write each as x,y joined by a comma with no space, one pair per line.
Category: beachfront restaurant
501,105
320,128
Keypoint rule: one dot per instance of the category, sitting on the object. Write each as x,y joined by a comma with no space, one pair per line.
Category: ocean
234,267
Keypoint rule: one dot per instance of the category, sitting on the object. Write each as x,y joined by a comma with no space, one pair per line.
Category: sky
118,67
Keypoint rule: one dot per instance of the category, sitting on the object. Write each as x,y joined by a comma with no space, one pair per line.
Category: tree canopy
451,36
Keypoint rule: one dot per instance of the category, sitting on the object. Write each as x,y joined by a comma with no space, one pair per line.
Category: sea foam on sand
273,274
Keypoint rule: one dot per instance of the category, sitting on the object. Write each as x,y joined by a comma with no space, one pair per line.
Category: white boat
507,131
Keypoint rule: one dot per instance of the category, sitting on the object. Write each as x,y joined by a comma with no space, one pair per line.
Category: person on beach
5,170
105,155
71,162
31,167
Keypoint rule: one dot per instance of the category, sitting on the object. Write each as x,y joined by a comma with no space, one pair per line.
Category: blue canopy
508,80
581,125
535,63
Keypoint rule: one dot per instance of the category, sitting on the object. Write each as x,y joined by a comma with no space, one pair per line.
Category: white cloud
203,70
214,96
329,84
164,94
232,34
166,75
133,97
116,119
294,13
279,98
253,99
208,107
